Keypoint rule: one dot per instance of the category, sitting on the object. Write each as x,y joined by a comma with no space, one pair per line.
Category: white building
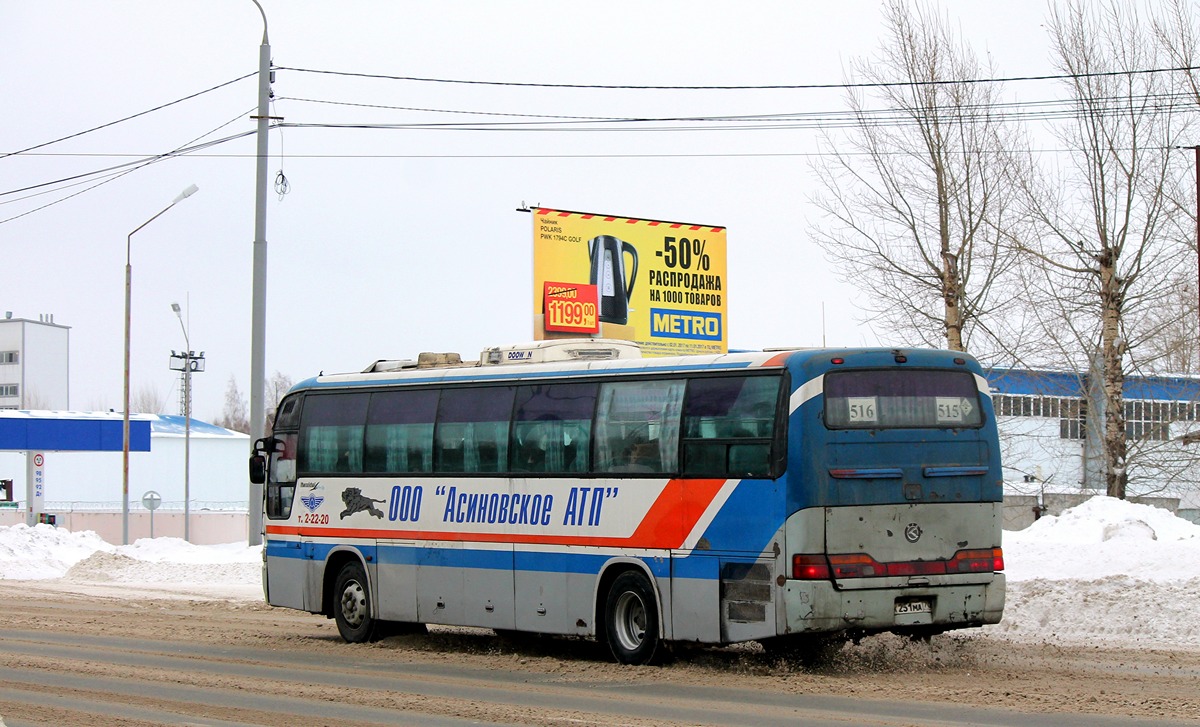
1050,423
34,364
217,477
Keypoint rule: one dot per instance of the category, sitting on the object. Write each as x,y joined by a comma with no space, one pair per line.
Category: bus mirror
258,469
266,445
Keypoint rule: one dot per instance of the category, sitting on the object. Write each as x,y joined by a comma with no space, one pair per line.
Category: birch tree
917,198
1106,251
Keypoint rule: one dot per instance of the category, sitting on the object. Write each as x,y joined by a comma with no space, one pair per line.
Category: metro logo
692,325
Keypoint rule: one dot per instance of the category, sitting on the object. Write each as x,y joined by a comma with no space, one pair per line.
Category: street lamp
186,361
192,189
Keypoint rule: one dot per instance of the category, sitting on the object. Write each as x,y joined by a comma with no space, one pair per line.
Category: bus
796,498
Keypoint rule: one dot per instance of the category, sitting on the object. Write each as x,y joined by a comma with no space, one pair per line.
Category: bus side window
472,429
552,426
729,423
400,431
637,426
332,426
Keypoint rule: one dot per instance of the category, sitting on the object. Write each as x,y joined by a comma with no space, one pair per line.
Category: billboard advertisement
660,284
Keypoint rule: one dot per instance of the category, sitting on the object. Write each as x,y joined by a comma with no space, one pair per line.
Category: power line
127,118
78,179
606,155
861,118
1043,110
765,87
443,111
135,166
157,157
886,118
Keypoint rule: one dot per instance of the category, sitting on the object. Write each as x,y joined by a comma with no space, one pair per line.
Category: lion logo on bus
358,502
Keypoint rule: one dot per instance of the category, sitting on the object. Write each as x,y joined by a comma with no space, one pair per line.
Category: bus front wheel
352,606
631,619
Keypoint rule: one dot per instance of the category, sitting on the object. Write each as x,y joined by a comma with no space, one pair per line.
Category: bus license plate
907,607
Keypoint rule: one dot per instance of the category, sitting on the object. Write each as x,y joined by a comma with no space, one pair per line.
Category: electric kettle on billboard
608,275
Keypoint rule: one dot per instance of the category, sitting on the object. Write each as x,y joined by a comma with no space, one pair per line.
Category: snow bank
44,552
1102,538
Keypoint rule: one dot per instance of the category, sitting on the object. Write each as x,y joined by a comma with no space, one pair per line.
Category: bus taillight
987,560
855,565
810,567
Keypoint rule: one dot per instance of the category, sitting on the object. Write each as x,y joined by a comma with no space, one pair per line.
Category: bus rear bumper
818,606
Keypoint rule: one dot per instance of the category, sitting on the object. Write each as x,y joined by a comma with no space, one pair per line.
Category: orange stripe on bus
667,522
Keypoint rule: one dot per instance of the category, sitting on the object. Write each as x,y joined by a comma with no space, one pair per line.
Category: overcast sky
397,241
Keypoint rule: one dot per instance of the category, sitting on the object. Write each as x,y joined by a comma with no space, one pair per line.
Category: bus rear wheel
631,620
352,604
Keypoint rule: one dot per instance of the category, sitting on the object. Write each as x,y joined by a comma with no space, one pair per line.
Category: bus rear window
901,398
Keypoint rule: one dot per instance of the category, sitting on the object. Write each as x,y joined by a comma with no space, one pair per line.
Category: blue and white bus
572,487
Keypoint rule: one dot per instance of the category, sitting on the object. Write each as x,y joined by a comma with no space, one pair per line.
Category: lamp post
192,189
186,361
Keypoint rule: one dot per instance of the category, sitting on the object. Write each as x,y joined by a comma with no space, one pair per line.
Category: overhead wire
127,118
763,87
863,118
112,175
866,118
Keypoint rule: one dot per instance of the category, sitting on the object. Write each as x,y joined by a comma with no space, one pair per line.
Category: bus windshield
901,398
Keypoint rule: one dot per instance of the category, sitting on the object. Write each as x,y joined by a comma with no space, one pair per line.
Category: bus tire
352,604
631,619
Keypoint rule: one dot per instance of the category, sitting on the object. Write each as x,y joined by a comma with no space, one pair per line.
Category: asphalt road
72,659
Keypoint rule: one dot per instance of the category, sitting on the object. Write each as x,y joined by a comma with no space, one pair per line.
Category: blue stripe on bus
695,566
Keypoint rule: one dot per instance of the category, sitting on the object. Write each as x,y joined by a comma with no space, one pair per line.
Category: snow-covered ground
1107,572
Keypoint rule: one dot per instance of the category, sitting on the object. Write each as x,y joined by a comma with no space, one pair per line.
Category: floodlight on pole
186,362
191,189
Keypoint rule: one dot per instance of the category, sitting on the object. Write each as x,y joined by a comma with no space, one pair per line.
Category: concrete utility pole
258,314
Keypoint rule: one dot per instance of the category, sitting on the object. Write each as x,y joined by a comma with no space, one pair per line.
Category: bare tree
1106,250
147,400
234,416
1178,35
277,388
33,399
920,197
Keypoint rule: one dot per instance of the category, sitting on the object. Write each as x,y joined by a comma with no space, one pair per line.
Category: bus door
540,589
286,564
441,583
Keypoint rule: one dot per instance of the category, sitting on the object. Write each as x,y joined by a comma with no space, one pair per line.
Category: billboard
660,284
